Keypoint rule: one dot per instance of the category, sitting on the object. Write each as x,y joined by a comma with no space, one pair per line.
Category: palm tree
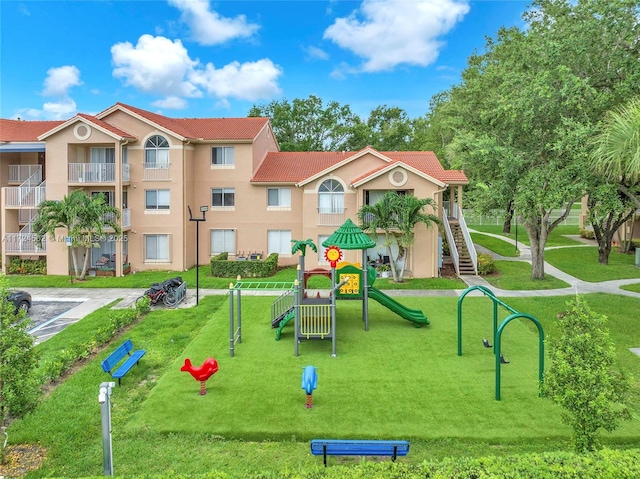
410,212
301,245
616,156
83,217
382,216
617,149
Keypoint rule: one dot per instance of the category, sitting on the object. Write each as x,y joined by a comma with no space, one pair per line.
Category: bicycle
164,292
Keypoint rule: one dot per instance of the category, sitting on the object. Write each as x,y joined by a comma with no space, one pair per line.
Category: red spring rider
202,373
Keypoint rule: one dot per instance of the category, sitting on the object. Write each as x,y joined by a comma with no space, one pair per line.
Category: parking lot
46,317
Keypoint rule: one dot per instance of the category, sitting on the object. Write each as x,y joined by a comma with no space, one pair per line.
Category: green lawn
516,275
556,237
632,287
393,381
496,245
146,278
583,264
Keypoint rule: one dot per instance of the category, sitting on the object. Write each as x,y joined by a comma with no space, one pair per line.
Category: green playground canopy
349,236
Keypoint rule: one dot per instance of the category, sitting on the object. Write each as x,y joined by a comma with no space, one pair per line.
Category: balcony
92,172
23,243
18,174
156,172
331,216
25,197
125,216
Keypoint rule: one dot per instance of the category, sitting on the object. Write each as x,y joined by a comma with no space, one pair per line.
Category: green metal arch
498,341
487,292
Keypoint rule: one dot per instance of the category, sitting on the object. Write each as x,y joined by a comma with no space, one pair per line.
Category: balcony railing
330,216
92,172
125,216
29,197
156,172
23,243
126,175
20,173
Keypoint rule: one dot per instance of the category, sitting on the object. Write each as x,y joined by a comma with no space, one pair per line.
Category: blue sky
201,58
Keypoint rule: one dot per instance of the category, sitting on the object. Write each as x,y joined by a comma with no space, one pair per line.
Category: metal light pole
104,398
203,210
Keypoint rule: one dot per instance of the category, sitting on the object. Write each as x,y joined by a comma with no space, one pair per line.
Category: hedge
485,264
604,464
221,267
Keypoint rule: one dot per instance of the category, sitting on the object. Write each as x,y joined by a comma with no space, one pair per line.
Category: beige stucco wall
191,179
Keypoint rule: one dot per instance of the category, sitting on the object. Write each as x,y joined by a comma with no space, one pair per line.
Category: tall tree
84,218
608,211
387,128
539,93
306,124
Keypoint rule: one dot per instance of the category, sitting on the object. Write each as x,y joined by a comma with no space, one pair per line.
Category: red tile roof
16,130
294,167
204,128
107,126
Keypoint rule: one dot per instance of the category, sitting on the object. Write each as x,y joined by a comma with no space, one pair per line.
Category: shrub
588,234
485,264
221,267
27,266
583,377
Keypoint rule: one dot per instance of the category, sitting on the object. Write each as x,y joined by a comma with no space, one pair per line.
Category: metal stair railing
467,238
453,250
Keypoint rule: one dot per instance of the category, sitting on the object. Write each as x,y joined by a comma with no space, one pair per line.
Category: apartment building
152,168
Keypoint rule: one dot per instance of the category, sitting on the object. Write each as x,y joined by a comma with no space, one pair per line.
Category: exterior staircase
465,263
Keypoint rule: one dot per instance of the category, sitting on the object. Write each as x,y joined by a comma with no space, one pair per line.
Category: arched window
331,197
157,152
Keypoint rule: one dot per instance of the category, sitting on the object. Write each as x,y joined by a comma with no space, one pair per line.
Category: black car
20,299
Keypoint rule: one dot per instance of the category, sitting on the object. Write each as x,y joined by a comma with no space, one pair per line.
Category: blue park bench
346,447
123,351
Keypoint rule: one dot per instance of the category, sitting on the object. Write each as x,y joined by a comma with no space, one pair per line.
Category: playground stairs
465,265
275,322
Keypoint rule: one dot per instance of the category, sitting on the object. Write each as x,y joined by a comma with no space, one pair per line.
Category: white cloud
171,102
63,109
316,53
244,81
208,27
59,80
387,33
157,65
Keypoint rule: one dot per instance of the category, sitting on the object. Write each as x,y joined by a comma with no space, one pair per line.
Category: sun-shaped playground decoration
333,254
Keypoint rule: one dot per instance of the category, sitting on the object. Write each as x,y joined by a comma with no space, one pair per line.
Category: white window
322,249
103,155
156,247
223,196
223,241
279,197
156,152
331,197
156,200
223,155
279,242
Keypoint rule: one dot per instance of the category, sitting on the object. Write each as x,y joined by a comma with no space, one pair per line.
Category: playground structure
497,332
315,318
309,383
201,373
